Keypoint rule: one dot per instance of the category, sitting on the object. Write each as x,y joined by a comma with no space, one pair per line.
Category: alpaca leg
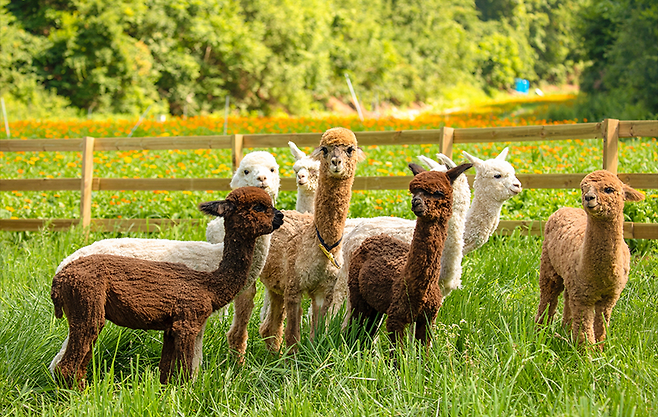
362,317
582,326
183,352
198,351
566,311
551,286
294,313
272,328
167,356
603,311
237,334
58,358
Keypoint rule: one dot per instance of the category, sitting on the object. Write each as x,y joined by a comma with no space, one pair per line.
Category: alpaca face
495,177
432,195
258,169
603,194
248,210
338,153
307,171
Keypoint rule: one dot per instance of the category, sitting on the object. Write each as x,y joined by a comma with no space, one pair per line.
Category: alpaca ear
457,171
416,169
216,208
474,159
360,155
446,161
295,151
431,163
317,153
630,194
502,155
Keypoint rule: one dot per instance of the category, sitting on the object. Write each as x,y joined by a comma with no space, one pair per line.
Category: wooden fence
610,130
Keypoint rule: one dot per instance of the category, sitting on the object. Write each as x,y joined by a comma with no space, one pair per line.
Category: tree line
187,56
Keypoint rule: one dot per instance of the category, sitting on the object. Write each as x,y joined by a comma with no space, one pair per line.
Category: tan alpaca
143,294
296,265
585,255
387,275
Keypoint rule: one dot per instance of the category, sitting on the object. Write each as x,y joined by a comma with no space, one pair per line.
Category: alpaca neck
602,242
332,203
229,279
481,221
305,201
424,259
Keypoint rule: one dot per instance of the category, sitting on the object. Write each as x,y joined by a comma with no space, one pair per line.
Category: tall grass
487,356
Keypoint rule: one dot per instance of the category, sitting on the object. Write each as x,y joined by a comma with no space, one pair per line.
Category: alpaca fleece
387,275
307,271
584,255
165,296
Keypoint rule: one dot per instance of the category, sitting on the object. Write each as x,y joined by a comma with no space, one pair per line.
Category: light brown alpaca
585,255
142,294
296,265
387,275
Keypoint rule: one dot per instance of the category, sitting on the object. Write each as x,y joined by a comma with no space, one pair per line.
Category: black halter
324,244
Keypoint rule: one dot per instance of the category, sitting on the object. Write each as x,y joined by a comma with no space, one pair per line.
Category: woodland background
72,58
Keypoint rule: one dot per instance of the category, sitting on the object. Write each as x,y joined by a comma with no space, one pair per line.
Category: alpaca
306,175
495,183
305,254
154,295
389,276
584,255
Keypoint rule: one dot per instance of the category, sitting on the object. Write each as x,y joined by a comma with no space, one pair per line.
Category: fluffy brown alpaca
296,265
143,294
584,255
387,275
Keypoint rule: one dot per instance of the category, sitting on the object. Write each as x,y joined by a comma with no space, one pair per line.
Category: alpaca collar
326,249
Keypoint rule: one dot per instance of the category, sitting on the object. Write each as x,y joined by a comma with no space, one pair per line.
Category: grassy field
487,358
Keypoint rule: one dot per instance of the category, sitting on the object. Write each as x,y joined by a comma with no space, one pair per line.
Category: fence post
610,144
236,150
87,180
446,138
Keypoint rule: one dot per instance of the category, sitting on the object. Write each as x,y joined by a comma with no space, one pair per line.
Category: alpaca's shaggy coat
389,276
302,267
158,295
584,255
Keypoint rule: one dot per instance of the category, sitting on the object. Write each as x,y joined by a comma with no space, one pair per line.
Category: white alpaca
306,175
495,182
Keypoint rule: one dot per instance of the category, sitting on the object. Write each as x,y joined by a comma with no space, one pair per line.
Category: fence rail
609,130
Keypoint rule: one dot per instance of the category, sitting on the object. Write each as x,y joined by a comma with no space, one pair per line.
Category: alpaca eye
271,169
438,194
350,151
609,190
260,208
246,172
324,150
498,176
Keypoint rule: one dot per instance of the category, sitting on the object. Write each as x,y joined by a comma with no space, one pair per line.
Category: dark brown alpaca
387,275
142,294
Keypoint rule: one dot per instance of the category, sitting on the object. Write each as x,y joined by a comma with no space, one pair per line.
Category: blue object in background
521,85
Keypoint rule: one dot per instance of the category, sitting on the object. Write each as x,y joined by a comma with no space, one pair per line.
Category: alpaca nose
589,197
261,177
336,161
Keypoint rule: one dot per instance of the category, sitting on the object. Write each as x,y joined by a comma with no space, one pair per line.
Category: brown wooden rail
609,130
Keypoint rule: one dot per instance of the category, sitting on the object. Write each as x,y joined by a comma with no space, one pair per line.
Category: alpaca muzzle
278,219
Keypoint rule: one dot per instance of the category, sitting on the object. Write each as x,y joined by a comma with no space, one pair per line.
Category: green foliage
270,56
622,47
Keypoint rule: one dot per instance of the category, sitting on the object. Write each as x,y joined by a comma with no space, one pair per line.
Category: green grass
487,357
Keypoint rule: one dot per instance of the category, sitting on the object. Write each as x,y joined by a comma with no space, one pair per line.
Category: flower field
638,155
